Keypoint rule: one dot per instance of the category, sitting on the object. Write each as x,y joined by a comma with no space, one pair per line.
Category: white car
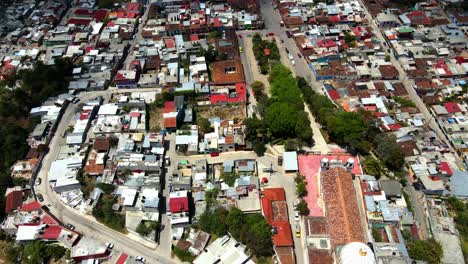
296,216
140,258
293,62
109,245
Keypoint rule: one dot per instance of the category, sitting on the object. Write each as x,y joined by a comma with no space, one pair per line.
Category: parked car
214,154
280,161
293,62
70,226
240,36
40,198
140,259
296,216
38,181
109,245
167,161
268,170
76,100
271,34
299,55
289,34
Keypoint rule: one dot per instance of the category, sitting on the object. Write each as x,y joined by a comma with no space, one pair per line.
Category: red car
271,34
240,36
214,154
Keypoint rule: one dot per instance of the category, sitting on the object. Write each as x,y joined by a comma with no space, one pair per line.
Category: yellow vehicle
298,233
241,49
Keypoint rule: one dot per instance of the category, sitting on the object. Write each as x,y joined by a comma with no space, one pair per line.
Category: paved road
249,79
138,38
415,198
85,223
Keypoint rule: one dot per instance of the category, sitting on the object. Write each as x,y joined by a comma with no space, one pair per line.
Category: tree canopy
427,250
284,115
357,131
251,229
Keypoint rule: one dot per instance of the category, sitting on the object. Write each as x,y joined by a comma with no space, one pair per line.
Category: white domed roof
356,253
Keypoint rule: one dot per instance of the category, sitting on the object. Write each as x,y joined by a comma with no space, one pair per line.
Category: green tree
142,229
290,145
235,222
259,148
33,253
350,39
105,187
281,119
376,235
13,252
257,235
258,87
389,151
302,208
387,58
204,125
183,255
427,250
301,189
55,251
214,34
373,166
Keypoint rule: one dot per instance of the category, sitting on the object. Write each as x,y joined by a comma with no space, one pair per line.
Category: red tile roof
49,219
334,95
52,232
170,122
445,167
178,204
170,43
227,71
320,256
341,207
276,214
85,114
84,12
79,21
452,107
13,200
418,18
100,15
101,144
169,105
32,206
